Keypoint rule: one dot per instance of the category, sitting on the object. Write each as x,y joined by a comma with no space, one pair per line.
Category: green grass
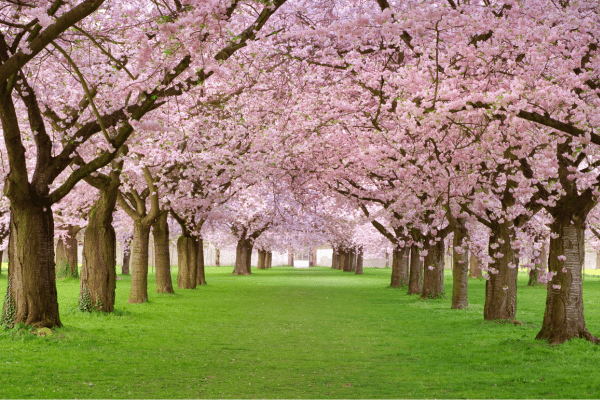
285,333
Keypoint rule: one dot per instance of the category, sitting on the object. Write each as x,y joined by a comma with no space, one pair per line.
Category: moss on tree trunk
32,298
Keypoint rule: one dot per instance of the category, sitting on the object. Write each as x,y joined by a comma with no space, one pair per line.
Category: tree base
241,273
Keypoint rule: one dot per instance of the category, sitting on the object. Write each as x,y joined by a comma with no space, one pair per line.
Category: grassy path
285,333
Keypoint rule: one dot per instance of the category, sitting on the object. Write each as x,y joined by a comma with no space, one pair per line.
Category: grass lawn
285,333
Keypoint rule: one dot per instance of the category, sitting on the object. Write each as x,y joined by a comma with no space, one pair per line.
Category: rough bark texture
399,267
243,254
415,279
200,275
563,318
66,254
501,286
139,263
262,262
98,271
540,268
359,262
460,268
126,257
32,296
162,255
474,267
187,255
335,259
433,277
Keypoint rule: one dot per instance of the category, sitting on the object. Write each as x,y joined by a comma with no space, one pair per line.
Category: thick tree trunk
345,261
460,268
160,232
126,257
474,266
217,258
187,256
399,267
542,267
351,260
415,280
387,260
269,259
66,254
139,263
335,259
359,262
501,286
243,256
31,296
433,278
200,275
262,262
98,272
290,257
563,318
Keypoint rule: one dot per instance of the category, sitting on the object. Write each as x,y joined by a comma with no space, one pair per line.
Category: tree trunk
345,262
160,232
126,257
269,259
243,256
139,263
460,267
262,255
433,278
335,259
1,255
501,286
399,267
542,267
187,256
98,271
290,257
66,254
359,262
415,280
200,275
474,266
351,260
31,294
563,318
387,260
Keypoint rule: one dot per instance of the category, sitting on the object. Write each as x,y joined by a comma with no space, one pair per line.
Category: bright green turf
285,333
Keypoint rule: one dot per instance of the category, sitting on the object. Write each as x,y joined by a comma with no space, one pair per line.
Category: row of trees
299,121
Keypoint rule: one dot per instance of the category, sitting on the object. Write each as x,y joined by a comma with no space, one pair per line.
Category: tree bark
217,258
359,262
474,266
200,275
262,255
433,278
160,232
139,263
243,256
460,267
335,259
501,286
187,256
415,280
126,257
563,318
540,268
291,257
98,271
269,259
399,267
31,297
66,254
